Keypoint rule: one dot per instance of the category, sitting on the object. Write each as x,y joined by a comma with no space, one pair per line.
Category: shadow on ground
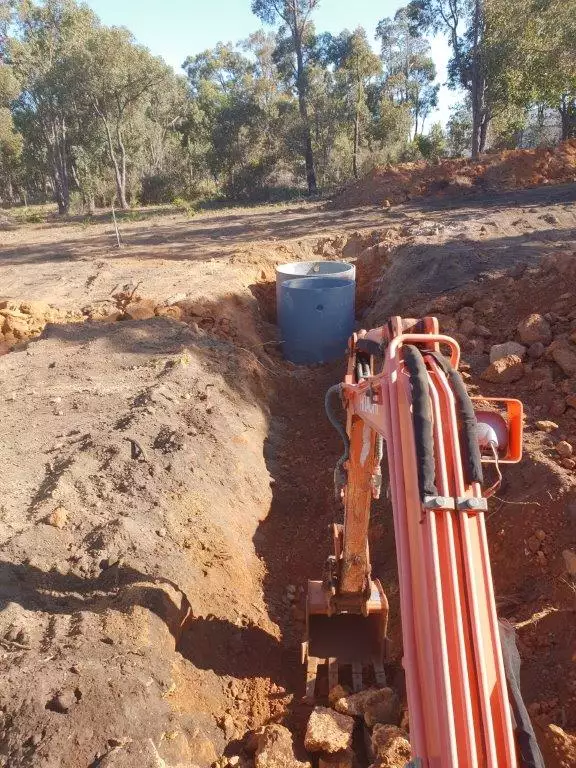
118,587
242,652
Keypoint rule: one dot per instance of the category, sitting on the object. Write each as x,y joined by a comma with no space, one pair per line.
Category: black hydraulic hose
422,420
472,459
339,471
333,419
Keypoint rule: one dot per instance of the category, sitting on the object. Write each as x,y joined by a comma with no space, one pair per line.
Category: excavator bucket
348,647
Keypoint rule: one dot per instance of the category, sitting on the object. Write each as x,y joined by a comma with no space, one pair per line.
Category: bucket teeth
333,670
356,676
311,675
379,673
332,673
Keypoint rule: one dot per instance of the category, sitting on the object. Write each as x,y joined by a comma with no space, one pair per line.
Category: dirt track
152,618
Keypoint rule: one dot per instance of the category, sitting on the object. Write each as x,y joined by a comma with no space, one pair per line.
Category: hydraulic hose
422,420
339,471
472,459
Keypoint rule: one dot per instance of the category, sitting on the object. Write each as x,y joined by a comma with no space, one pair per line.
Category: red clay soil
513,169
186,564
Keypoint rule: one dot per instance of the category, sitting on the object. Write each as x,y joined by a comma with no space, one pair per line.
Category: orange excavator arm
402,390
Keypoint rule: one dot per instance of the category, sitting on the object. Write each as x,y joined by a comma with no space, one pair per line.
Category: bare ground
165,481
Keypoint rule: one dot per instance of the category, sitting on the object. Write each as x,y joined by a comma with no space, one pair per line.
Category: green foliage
89,117
532,56
432,146
410,71
34,217
356,65
183,205
459,130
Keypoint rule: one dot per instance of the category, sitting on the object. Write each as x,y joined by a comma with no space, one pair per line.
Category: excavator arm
402,388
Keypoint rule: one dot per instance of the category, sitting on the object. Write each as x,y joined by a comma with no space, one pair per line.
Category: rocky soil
168,483
457,178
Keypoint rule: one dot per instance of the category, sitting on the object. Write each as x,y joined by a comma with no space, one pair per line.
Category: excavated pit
195,473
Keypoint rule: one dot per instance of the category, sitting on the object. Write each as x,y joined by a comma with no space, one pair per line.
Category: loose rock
390,746
534,328
383,707
564,354
557,407
498,351
467,326
355,703
570,561
141,310
275,749
344,759
561,746
336,693
546,426
62,702
564,449
58,518
536,350
505,370
227,725
328,731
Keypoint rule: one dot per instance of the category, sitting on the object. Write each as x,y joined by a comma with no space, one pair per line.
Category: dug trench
169,494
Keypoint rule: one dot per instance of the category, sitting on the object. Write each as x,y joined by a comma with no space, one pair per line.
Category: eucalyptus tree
356,66
409,70
464,23
294,18
46,43
120,82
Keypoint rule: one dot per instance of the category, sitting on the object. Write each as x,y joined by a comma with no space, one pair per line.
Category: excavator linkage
402,388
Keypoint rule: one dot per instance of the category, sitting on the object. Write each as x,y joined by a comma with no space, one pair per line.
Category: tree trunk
568,117
303,107
119,169
122,190
356,134
58,159
484,123
478,84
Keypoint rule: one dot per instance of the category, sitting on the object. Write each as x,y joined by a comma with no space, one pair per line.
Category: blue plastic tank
316,318
296,269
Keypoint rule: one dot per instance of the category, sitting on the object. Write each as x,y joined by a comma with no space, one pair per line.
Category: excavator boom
402,387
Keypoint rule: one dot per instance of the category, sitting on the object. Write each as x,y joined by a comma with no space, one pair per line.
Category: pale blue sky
174,29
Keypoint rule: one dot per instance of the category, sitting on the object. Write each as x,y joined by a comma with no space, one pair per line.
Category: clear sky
175,29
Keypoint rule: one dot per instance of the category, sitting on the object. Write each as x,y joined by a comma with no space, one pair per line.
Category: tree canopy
90,117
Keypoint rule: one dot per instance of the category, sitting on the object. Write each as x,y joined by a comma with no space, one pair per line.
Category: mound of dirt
230,318
136,485
513,169
20,320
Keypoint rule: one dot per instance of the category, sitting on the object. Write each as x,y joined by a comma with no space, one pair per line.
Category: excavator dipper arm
456,687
